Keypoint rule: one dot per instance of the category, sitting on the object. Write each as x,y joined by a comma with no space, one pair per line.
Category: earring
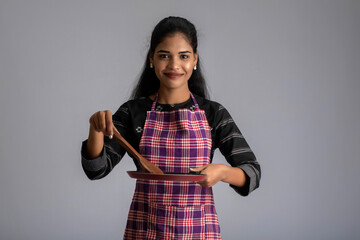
151,65
195,67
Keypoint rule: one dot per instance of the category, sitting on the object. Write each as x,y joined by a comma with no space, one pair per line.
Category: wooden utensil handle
126,145
143,162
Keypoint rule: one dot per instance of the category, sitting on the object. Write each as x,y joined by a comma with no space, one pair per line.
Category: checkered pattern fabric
175,141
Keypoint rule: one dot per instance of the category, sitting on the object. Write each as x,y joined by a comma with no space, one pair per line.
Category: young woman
171,122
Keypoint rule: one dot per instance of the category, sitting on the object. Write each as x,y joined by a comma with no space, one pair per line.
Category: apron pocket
173,222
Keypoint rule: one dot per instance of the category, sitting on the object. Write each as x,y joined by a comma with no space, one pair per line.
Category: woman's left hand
214,173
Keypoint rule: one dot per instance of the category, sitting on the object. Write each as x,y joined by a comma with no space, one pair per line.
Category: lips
173,75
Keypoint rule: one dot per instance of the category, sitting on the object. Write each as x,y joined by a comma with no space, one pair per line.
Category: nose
174,63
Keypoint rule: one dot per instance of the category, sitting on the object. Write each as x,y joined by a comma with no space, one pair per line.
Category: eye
164,56
184,56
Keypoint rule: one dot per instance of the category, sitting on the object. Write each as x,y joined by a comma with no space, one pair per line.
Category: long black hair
148,83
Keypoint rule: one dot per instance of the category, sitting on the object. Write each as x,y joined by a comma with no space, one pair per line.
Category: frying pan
192,177
151,171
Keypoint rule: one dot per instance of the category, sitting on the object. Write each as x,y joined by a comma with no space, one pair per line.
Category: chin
173,85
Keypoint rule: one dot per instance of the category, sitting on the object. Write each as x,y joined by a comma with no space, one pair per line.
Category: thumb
113,131
198,169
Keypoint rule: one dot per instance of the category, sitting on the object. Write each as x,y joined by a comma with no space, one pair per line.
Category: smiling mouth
173,75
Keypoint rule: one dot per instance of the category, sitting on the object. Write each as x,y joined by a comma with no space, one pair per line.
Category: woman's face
174,61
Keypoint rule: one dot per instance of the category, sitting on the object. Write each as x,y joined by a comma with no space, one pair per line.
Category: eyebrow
182,52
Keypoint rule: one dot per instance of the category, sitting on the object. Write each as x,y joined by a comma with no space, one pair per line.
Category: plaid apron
175,141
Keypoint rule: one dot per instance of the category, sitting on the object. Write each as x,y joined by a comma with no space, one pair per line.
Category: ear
195,58
151,58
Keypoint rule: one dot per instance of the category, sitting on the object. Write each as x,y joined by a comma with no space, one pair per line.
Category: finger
109,124
93,121
101,122
115,131
203,183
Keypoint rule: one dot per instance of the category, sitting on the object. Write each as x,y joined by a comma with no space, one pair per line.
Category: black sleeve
236,150
112,152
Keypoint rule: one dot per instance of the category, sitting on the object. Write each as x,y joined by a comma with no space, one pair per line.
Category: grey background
288,72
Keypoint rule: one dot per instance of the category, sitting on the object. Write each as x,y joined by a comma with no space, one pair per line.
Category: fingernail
110,136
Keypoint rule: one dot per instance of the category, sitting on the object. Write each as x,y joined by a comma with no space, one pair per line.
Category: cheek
161,65
189,67
158,67
158,73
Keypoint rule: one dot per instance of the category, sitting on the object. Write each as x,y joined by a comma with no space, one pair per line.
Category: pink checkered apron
175,141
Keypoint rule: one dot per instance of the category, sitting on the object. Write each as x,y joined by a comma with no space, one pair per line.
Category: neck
173,96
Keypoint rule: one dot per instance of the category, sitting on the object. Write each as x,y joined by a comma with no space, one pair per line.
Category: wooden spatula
145,164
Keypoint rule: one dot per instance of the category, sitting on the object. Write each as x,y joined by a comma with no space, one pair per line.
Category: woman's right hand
101,122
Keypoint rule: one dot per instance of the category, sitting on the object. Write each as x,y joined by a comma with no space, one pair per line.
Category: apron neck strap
154,102
157,95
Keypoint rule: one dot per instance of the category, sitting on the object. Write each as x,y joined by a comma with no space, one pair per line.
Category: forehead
177,41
